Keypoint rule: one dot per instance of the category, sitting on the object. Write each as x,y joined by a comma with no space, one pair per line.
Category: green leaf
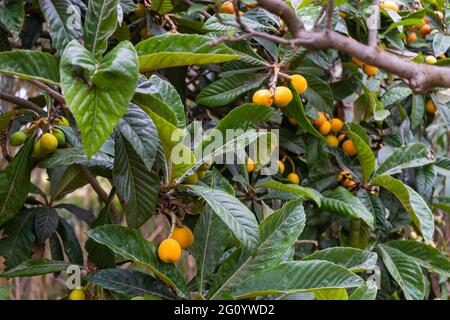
413,203
15,182
298,276
136,184
45,222
364,153
211,236
226,90
417,110
319,94
331,294
131,245
405,271
162,6
441,43
4,294
62,19
426,181
238,218
343,203
140,131
305,192
278,234
64,180
131,283
394,95
366,292
162,98
34,65
353,259
71,244
409,156
425,255
18,237
296,110
100,23
101,100
166,51
36,267
11,16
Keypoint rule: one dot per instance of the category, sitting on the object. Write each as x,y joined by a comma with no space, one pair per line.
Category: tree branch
19,101
421,78
53,93
373,24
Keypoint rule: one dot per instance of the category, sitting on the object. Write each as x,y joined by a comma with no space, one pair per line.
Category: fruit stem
173,219
290,161
284,75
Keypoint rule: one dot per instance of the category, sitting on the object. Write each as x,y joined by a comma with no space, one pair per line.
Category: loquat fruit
299,82
320,120
227,7
184,236
430,107
430,59
411,37
280,166
62,121
341,137
250,165
293,122
349,148
391,5
192,179
263,97
77,294
169,251
424,29
283,96
370,70
48,143
17,138
332,141
336,125
60,137
325,128
294,178
358,62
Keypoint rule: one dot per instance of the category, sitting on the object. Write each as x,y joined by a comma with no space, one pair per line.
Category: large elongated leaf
298,276
167,51
305,192
27,64
342,202
45,222
211,236
137,185
425,255
278,234
98,94
319,94
162,98
11,16
131,245
132,283
72,247
100,23
351,258
409,156
405,271
64,22
238,218
138,129
365,154
366,292
36,267
414,204
18,237
15,182
226,90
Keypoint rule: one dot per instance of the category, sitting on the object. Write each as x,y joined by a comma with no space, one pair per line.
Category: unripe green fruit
17,138
60,137
62,121
201,173
192,179
37,151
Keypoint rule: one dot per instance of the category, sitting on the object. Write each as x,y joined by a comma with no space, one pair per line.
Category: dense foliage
358,205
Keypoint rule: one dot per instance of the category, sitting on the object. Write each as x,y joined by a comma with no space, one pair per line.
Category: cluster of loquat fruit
193,178
169,250
48,142
346,180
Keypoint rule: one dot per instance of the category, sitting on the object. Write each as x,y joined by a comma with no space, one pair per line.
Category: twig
53,93
203,12
313,242
330,7
19,101
373,24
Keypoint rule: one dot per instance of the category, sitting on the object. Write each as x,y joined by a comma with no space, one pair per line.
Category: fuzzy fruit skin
430,107
250,165
49,143
263,97
17,138
77,294
332,141
294,178
424,29
293,122
280,166
320,120
227,7
60,137
358,62
184,236
299,82
389,5
325,128
411,37
37,150
282,96
370,70
169,251
336,125
430,59
349,148
62,121
139,11
192,179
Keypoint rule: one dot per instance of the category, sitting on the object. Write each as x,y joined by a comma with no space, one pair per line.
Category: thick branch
420,77
53,93
19,101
